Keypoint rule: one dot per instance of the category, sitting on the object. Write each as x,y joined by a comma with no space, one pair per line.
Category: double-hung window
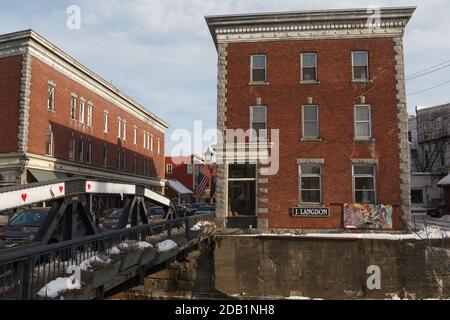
49,142
135,135
309,67
258,125
73,108
258,68
311,127
360,64
124,130
105,122
82,104
51,97
311,183
89,115
363,122
364,184
119,128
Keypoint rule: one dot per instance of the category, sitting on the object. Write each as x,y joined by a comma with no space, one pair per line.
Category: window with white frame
51,97
124,130
159,146
151,142
190,169
258,68
311,126
105,122
311,183
364,184
309,67
135,135
73,108
145,140
82,104
360,65
119,128
49,142
89,115
258,126
169,168
363,122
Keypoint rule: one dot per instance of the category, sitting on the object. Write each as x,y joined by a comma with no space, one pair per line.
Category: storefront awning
445,181
178,187
43,175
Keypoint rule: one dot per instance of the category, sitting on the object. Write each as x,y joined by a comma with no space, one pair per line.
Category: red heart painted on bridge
61,188
89,186
24,197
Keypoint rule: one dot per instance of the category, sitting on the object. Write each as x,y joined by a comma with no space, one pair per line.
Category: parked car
25,224
206,208
439,211
109,218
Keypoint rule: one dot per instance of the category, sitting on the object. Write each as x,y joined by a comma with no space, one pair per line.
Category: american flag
202,183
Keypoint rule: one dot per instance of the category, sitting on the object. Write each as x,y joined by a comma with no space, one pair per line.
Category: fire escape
432,142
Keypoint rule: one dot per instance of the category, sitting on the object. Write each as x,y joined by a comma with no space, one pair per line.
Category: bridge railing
25,270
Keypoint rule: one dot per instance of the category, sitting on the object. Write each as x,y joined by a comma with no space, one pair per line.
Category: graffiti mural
368,216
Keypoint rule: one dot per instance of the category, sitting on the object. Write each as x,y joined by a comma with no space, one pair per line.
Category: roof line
30,33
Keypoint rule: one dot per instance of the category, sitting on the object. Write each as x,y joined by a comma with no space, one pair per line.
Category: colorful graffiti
368,216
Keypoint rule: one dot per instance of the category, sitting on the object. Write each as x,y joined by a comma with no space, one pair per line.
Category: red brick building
189,170
63,120
334,88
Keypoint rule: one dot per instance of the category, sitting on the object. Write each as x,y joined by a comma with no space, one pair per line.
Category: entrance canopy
445,181
43,175
178,187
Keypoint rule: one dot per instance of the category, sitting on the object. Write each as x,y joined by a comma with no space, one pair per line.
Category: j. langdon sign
309,212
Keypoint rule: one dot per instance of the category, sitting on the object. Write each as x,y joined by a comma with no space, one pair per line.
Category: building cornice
17,43
307,24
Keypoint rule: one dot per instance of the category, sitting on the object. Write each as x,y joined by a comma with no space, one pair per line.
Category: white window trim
82,111
135,130
374,176
169,168
51,153
252,137
251,68
124,130
300,176
303,122
119,128
105,121
73,107
151,142
355,122
52,107
353,67
302,80
159,146
90,115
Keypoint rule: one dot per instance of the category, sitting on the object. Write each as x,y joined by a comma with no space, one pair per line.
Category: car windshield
116,214
28,218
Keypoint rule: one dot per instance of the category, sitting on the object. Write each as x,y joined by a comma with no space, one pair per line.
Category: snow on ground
144,245
89,263
196,228
420,220
437,234
166,245
57,287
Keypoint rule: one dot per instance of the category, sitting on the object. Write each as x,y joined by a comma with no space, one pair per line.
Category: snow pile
205,224
196,228
166,245
144,245
91,263
57,287
433,232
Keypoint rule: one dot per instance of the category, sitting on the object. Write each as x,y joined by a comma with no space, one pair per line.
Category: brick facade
29,65
239,37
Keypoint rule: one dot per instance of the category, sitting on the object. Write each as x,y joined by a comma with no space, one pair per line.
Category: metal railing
25,270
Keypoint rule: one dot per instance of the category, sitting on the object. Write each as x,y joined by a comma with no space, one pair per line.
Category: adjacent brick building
63,120
334,87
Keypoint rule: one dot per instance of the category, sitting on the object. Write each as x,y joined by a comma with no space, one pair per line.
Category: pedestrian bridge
90,265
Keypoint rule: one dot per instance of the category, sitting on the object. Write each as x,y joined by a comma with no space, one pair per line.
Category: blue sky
160,51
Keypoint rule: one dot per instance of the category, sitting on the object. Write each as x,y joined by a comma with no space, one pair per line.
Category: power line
427,89
428,68
426,73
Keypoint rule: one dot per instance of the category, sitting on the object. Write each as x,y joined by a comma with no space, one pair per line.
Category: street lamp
24,161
